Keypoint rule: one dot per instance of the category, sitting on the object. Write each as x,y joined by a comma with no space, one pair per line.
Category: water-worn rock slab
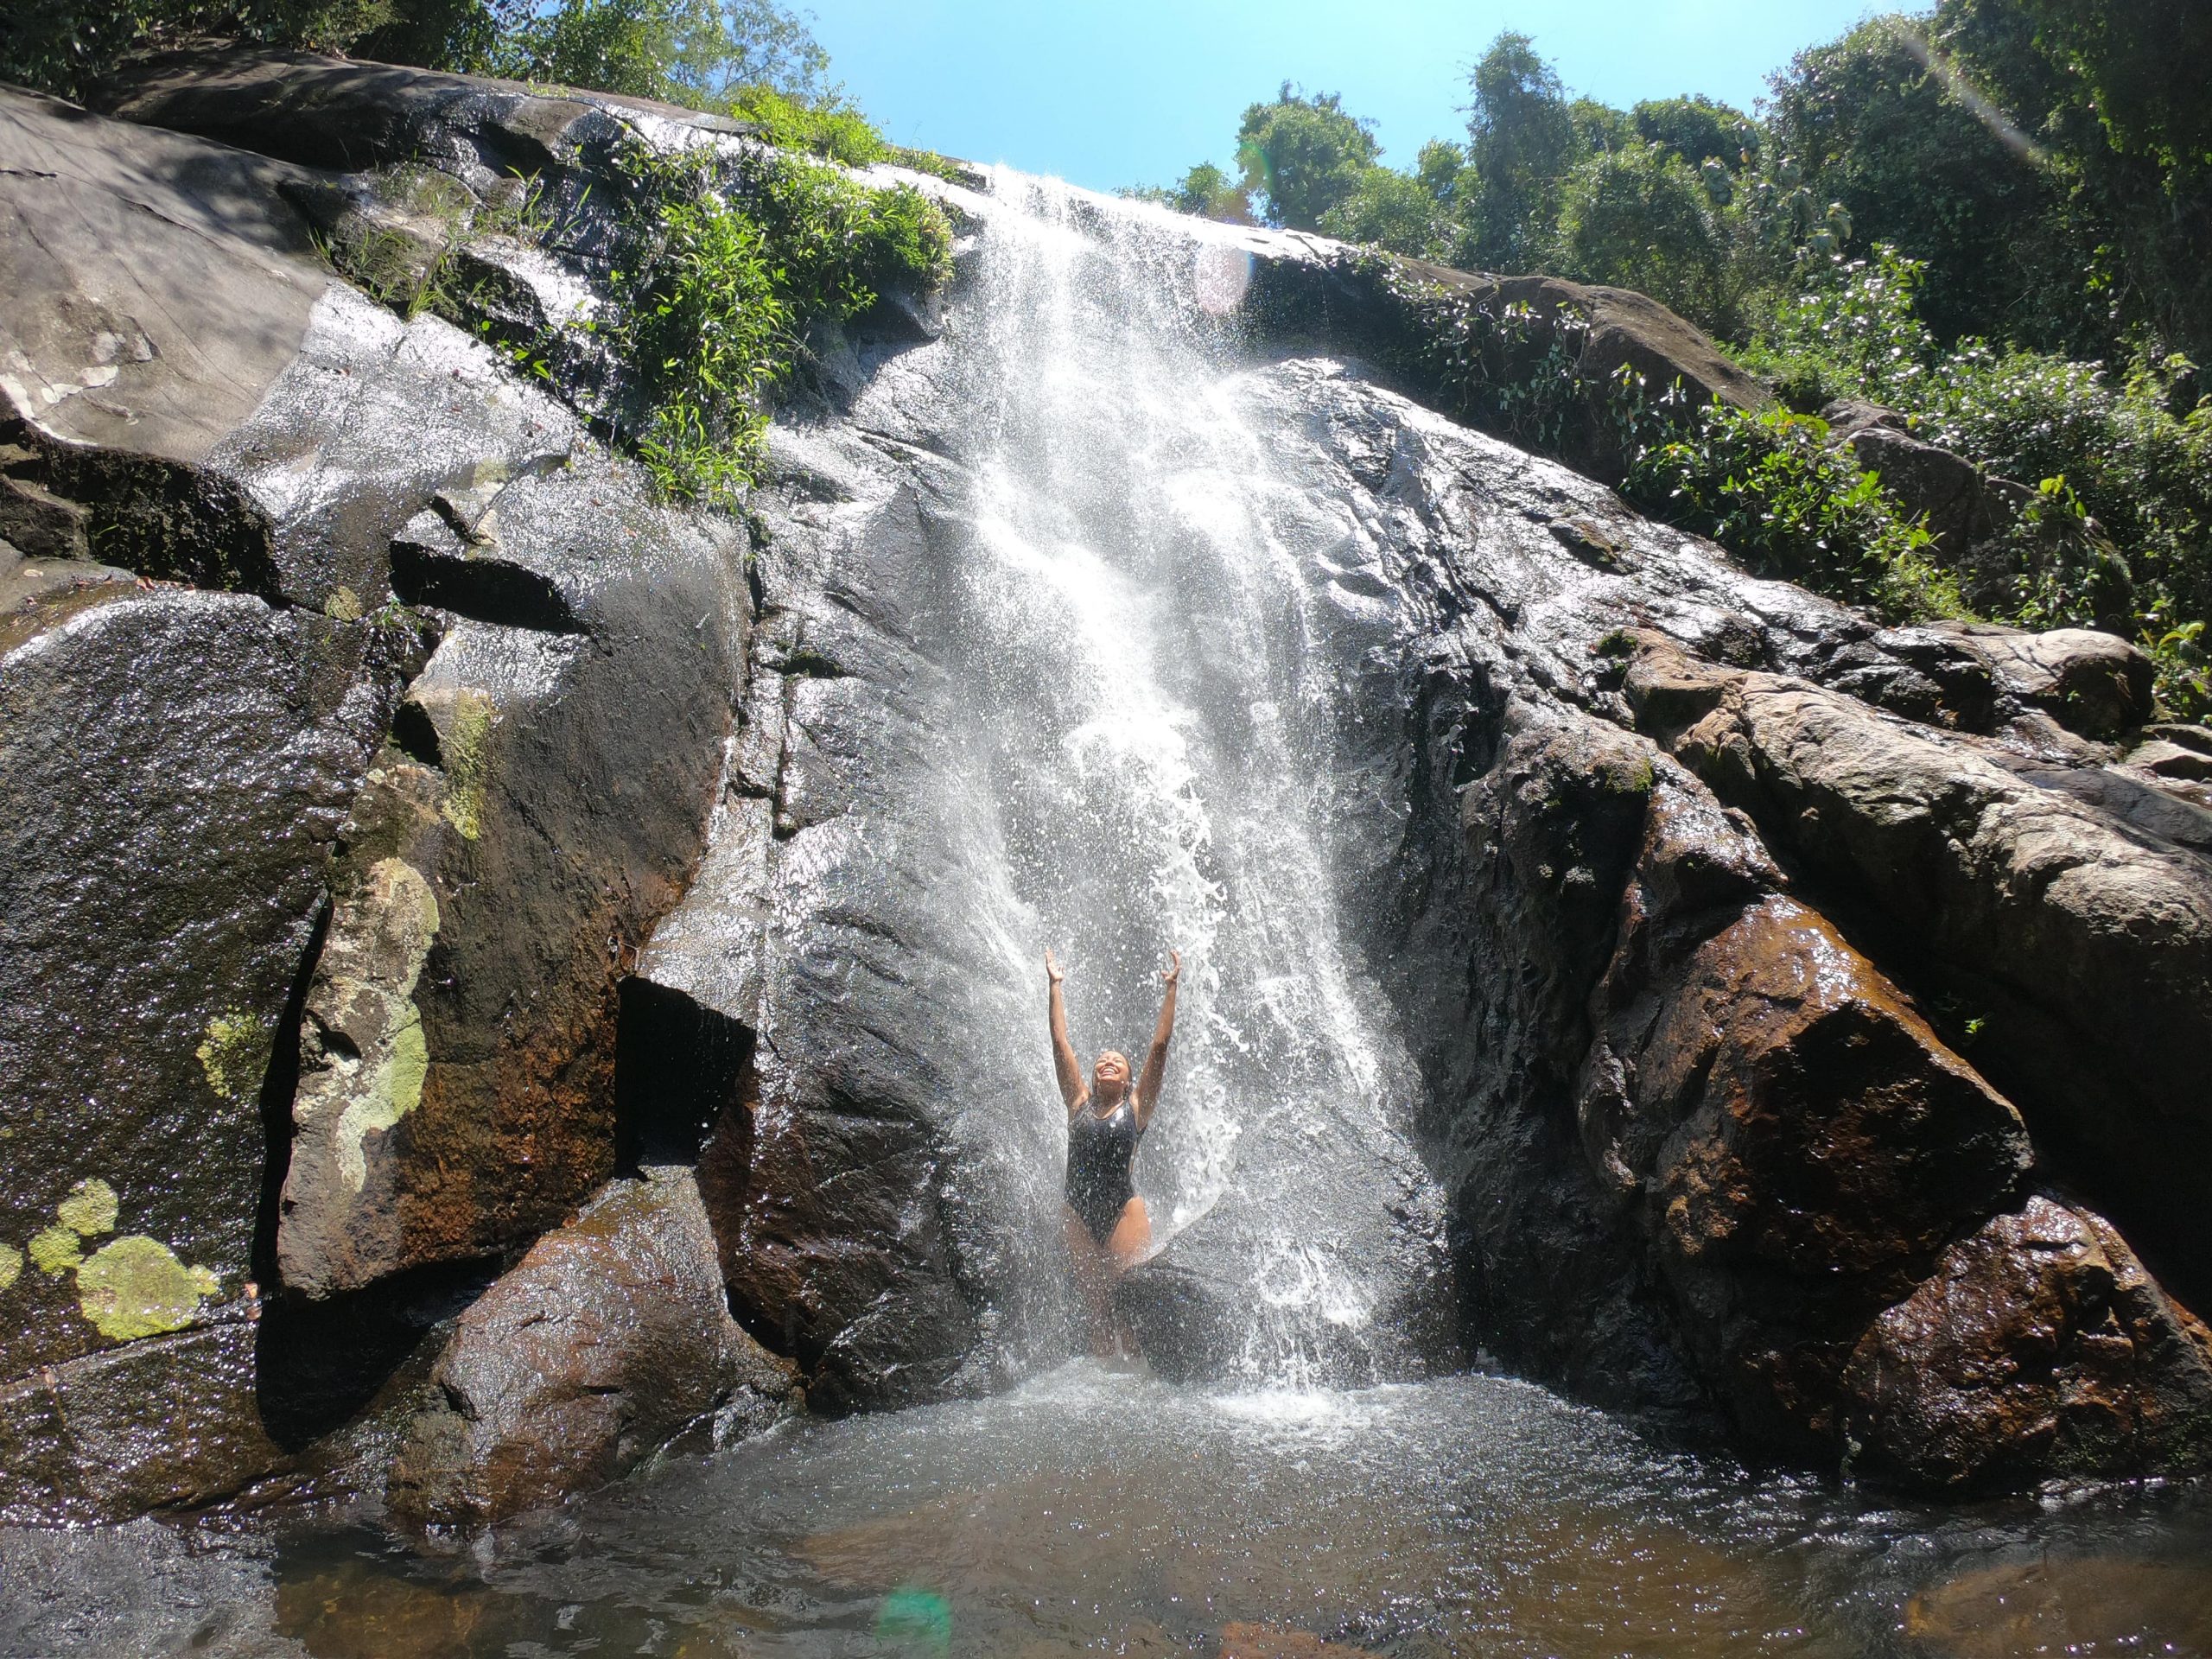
192,393
503,876
157,286
2080,945
175,767
612,1336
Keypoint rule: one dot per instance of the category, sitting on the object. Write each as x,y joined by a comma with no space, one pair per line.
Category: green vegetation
1771,489
1991,215
725,262
750,59
234,1052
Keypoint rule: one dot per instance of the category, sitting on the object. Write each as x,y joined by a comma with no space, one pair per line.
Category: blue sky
1107,94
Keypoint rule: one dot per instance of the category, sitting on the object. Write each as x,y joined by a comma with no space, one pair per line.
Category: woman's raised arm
1063,1060
1155,1062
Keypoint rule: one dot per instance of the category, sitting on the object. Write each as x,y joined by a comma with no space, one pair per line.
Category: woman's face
1111,1075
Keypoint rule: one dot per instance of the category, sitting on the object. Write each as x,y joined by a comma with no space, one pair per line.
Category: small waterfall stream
1158,655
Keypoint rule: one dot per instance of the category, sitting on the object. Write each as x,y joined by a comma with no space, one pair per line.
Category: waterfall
1156,635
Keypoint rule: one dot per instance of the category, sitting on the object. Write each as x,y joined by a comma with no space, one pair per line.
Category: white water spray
1158,675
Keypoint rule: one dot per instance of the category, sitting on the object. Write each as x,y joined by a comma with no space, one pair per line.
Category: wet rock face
1797,1140
610,1337
1672,1091
2078,943
570,772
2038,1346
175,767
417,849
1766,971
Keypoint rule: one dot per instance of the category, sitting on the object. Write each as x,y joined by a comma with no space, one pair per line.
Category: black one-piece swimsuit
1100,1152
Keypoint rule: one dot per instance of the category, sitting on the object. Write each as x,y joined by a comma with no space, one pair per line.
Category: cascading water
1157,657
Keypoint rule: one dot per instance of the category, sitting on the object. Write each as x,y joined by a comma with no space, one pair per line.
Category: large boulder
608,1339
350,116
1794,1139
2038,1347
555,763
2079,947
1449,336
448,691
175,767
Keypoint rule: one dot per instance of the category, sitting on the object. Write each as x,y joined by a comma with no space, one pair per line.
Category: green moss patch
55,1250
234,1053
466,748
90,1209
137,1287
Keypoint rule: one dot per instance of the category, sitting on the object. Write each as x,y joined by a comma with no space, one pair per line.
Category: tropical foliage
1991,215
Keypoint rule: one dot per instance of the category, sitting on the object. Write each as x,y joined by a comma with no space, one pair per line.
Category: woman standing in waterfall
1109,1229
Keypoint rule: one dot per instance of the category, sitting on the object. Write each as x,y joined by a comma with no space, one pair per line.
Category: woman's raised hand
1051,969
1174,972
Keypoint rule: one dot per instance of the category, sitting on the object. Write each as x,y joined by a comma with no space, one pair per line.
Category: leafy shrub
2132,452
726,264
1853,331
1389,209
1768,489
709,334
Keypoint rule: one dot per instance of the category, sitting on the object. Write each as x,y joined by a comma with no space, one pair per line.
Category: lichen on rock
90,1209
11,1265
138,1286
466,746
56,1251
364,1058
234,1052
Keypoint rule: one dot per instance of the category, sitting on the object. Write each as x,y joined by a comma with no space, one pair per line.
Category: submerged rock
2064,1604
609,1339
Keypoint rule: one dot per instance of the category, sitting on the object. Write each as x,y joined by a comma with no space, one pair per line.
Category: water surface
1092,1512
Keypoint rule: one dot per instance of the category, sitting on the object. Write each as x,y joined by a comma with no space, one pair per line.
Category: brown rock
2038,1347
1799,1141
1946,489
1242,1641
2080,946
2094,684
1399,311
611,1338
169,1422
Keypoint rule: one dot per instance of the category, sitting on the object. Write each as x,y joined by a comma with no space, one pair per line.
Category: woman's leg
1094,1282
1132,1236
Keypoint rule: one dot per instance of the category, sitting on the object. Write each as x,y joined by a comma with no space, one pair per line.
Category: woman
1108,1228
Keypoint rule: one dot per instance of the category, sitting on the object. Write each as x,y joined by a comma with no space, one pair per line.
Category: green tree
2113,91
1696,128
1598,126
2147,65
1640,217
1441,167
1522,142
1302,156
696,52
1877,124
1205,190
1391,210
